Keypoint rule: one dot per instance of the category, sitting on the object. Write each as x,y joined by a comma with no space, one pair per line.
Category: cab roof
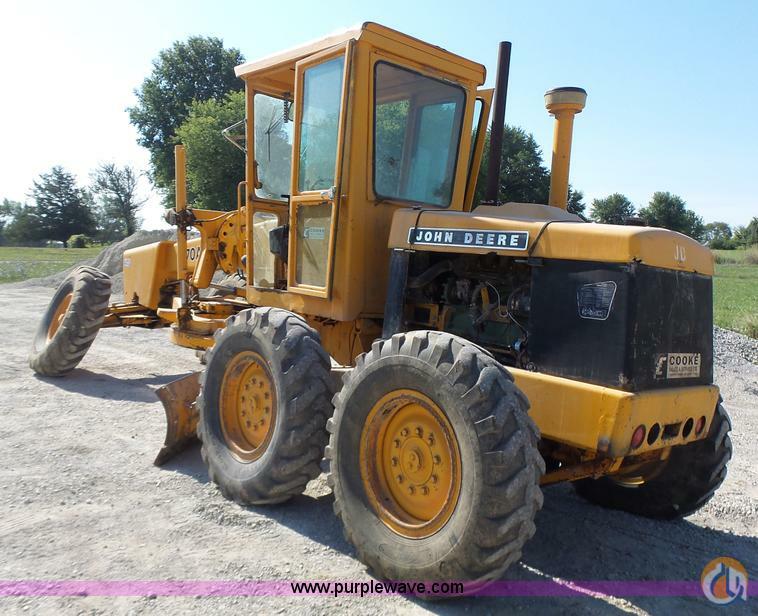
378,35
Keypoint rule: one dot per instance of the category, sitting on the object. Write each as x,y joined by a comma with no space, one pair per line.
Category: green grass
735,290
739,256
21,263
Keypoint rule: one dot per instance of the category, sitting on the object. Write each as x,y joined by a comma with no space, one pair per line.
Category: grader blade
178,398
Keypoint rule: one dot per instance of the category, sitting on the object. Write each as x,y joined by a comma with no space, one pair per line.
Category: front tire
264,401
423,405
71,322
683,483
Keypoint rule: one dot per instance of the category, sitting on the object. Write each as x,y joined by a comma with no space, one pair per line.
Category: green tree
575,203
18,223
524,178
198,69
613,209
747,235
670,212
718,235
62,209
6,216
115,190
23,228
214,166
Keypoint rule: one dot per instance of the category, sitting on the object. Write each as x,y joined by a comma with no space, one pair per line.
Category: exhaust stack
563,104
492,184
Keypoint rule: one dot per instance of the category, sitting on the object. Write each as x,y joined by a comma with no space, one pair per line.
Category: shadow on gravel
189,463
312,517
106,387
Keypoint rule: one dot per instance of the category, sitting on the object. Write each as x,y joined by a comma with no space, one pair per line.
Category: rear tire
266,447
689,479
484,415
71,322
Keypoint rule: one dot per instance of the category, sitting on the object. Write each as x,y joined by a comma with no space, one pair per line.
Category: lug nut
437,459
419,431
411,490
399,478
404,432
395,461
430,440
424,490
433,478
396,442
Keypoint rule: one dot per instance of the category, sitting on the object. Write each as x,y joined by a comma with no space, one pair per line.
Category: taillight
638,437
700,425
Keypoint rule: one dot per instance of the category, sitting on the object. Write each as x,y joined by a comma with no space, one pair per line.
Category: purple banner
228,588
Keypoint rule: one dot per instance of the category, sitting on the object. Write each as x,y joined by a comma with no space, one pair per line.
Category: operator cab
345,131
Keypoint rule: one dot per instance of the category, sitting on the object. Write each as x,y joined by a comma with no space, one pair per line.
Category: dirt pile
109,261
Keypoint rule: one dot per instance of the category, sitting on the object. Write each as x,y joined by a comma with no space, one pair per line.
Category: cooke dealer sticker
469,238
678,366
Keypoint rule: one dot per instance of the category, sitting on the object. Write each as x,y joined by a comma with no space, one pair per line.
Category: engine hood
529,230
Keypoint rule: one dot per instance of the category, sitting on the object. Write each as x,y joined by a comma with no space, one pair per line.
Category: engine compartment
483,298
629,326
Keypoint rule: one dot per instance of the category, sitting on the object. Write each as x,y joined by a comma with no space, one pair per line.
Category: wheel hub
248,406
410,463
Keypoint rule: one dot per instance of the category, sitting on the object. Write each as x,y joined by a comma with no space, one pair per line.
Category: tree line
61,210
670,212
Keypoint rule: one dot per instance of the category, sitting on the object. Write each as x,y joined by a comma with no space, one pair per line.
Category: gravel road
81,500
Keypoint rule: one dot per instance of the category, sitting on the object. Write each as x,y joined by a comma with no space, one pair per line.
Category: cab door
321,95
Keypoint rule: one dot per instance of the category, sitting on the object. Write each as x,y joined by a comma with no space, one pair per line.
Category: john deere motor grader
489,351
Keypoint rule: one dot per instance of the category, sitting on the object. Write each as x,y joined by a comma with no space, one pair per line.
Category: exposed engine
483,298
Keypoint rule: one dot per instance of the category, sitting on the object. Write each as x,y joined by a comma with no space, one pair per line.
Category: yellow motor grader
445,358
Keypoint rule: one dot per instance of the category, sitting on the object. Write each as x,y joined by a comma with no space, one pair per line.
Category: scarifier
445,358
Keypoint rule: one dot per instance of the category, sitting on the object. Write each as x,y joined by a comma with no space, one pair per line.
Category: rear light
638,437
700,425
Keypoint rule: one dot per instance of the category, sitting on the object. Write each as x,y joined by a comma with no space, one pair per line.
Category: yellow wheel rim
410,463
58,315
247,406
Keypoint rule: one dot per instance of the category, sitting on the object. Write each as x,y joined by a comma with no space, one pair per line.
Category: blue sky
672,85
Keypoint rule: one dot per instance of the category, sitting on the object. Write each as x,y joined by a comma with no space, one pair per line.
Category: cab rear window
417,130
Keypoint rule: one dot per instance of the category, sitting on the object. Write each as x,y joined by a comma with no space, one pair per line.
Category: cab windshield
273,146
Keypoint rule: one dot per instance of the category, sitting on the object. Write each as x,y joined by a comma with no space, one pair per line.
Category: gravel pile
728,344
109,261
